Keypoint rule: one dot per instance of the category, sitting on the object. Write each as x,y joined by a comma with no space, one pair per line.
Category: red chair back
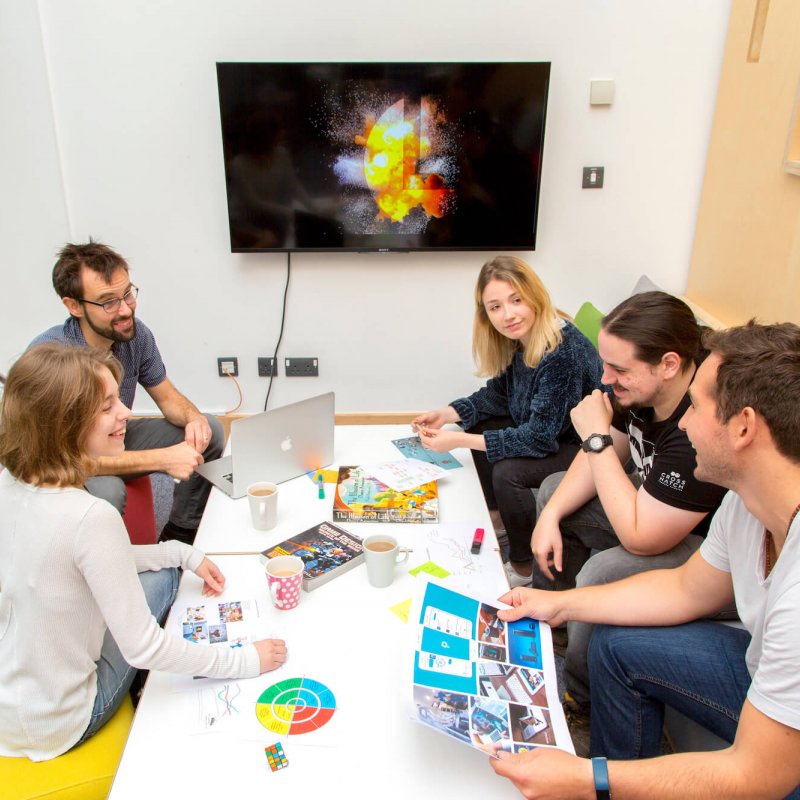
139,517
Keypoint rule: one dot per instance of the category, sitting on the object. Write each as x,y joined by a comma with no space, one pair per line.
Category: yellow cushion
83,773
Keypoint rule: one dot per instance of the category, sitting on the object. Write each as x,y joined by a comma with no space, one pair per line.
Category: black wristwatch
596,443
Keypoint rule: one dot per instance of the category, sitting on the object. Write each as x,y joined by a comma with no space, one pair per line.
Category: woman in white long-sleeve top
80,607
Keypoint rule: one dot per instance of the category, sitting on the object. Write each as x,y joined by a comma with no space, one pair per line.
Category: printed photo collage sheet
263,708
213,705
484,682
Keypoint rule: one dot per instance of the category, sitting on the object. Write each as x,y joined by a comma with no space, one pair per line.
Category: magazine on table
326,549
484,682
361,497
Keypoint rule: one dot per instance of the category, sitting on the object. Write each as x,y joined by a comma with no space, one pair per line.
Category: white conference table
344,635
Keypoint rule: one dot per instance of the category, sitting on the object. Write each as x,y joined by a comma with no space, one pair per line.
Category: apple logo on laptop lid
286,444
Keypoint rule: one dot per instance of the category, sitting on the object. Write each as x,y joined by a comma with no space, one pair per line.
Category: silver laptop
275,446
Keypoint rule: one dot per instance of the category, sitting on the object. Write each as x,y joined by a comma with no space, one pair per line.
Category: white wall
137,163
33,215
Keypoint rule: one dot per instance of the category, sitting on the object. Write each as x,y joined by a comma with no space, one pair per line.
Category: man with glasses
93,283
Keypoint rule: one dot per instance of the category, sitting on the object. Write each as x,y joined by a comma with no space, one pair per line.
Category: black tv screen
382,157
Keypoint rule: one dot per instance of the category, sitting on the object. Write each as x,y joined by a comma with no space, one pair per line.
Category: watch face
596,443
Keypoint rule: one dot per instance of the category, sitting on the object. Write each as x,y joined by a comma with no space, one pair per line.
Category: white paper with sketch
448,545
405,473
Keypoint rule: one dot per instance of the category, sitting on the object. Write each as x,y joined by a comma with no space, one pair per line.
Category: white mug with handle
263,499
382,554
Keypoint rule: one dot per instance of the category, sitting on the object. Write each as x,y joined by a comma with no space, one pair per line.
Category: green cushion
83,773
588,320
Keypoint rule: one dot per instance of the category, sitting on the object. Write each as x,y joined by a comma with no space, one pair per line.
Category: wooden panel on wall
791,162
746,256
365,418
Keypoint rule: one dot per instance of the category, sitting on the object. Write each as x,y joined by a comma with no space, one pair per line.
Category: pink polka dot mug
285,578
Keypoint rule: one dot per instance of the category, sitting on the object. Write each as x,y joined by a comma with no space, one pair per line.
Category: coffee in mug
381,546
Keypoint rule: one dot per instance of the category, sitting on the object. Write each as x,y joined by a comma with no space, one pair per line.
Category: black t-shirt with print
665,461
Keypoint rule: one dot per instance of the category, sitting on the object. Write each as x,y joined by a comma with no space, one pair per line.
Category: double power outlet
267,367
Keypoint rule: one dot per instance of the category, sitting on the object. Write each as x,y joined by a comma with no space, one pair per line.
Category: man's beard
619,408
110,333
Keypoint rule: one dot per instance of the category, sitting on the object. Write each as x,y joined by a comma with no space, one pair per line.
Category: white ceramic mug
382,554
285,579
263,499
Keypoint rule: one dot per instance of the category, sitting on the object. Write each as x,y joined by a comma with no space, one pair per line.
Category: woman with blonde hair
76,620
518,426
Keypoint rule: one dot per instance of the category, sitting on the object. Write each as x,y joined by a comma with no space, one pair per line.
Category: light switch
593,177
601,93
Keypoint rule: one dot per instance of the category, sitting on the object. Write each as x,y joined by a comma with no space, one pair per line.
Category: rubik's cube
276,757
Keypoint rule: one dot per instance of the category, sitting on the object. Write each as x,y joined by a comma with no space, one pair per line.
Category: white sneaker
514,578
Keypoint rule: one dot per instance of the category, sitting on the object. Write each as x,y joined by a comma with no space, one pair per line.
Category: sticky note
402,610
431,568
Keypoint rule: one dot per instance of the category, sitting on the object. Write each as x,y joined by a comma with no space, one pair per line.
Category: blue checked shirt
140,359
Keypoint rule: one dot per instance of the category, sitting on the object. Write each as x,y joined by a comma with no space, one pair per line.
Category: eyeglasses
111,306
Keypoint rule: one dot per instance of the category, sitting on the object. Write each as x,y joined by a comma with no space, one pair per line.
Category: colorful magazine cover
361,497
326,549
484,682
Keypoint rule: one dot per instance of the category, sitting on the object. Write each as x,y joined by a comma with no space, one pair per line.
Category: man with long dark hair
655,514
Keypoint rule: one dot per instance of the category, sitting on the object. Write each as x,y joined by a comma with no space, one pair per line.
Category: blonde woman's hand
434,419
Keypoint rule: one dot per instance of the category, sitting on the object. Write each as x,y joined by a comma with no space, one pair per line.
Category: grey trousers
189,499
585,530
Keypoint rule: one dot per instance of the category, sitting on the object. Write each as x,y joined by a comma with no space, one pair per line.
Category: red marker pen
477,540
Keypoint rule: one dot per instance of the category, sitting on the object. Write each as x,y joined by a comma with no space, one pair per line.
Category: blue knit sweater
538,400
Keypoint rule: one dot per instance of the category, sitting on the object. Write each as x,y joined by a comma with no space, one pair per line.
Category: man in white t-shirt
744,685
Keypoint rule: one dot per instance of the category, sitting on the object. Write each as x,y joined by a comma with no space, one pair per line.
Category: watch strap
600,771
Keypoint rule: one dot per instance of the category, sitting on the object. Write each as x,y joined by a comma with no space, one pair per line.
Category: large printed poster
485,682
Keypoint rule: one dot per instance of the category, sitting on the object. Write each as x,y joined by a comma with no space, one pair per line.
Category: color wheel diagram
295,705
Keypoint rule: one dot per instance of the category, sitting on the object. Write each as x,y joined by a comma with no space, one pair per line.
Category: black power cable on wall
280,335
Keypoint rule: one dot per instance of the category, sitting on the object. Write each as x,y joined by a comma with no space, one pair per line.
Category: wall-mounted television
382,157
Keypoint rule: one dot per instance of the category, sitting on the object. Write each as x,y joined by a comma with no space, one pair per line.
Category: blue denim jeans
114,674
610,565
699,669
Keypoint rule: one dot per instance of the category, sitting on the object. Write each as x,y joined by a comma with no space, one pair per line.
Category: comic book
326,549
361,497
